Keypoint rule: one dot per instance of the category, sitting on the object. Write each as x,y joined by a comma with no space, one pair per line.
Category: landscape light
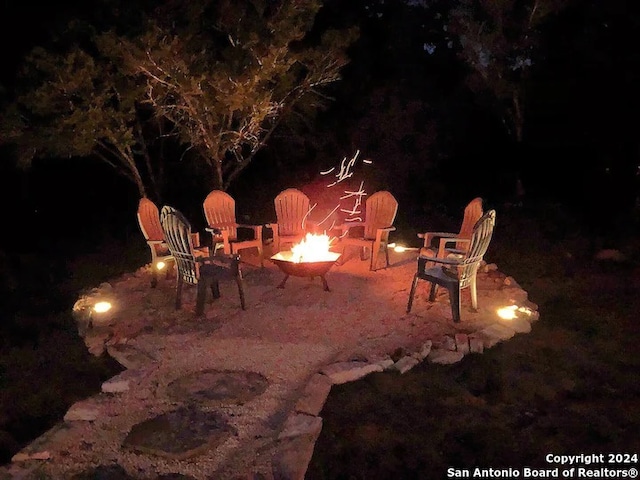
511,312
160,265
102,307
508,313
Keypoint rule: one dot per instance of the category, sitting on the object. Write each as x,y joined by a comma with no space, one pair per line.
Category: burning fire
313,248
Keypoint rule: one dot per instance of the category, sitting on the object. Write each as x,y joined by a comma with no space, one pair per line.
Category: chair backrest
149,220
177,233
220,208
472,213
292,208
380,211
480,239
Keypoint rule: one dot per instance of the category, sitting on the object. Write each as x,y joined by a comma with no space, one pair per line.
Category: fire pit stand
289,267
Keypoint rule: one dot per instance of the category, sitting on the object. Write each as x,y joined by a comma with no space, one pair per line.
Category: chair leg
432,293
454,299
414,284
240,291
374,258
474,293
215,289
261,254
341,260
386,254
179,292
154,277
203,285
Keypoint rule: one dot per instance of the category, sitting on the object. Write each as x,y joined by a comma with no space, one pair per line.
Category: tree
79,106
227,73
223,76
499,41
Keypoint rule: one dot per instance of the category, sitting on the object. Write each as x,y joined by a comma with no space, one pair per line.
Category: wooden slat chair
380,213
458,271
149,221
445,243
292,210
203,271
220,213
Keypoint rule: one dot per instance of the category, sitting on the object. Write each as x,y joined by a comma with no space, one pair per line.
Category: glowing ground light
511,312
399,248
102,307
160,265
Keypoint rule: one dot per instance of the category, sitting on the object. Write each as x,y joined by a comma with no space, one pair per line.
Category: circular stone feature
221,386
183,433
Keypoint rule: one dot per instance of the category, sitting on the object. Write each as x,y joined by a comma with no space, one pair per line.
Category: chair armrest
436,234
450,245
223,226
346,226
220,258
386,229
428,236
453,240
246,225
155,242
422,261
225,260
214,230
201,252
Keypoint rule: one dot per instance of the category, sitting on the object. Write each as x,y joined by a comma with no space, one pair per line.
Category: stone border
303,425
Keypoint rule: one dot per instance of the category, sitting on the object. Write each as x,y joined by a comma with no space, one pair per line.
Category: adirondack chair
292,209
444,243
220,212
203,272
149,221
380,213
456,272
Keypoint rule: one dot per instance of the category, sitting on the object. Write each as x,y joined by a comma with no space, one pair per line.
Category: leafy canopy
223,74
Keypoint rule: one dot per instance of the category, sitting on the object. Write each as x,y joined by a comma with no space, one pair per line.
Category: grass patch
44,364
568,387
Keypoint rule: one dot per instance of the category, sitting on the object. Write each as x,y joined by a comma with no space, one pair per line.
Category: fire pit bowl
289,266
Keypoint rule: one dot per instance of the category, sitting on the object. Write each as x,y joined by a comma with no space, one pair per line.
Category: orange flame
313,248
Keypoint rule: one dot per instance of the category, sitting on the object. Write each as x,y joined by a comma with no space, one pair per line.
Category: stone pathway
238,394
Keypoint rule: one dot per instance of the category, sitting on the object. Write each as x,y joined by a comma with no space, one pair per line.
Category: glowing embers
513,311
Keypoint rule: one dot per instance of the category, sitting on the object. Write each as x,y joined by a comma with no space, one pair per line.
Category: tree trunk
218,182
141,190
518,118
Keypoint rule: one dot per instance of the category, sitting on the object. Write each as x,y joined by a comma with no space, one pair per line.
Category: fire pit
309,258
